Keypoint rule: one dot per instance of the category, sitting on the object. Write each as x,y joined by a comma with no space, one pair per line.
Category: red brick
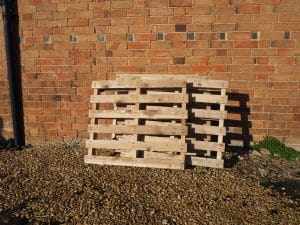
138,45
238,36
246,44
78,22
263,68
291,8
157,3
121,21
204,10
145,37
204,3
121,4
161,12
180,3
203,19
248,9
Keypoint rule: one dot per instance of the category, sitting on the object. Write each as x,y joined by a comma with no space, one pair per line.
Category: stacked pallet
141,124
164,121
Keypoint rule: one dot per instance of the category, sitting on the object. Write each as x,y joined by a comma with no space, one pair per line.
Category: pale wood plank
143,114
162,155
207,129
141,83
206,162
209,114
221,125
197,80
219,99
163,124
170,146
161,139
138,129
92,121
149,98
136,162
187,77
208,146
210,83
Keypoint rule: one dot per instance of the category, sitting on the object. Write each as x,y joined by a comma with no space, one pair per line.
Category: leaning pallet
138,122
206,106
207,99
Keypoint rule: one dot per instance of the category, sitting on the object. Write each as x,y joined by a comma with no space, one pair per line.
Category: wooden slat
93,120
187,77
137,162
209,98
143,114
208,146
149,98
163,124
146,146
115,84
137,129
205,162
210,83
198,81
161,155
221,124
206,129
209,114
161,139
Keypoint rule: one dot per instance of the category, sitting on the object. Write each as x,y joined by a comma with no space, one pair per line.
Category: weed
274,146
200,171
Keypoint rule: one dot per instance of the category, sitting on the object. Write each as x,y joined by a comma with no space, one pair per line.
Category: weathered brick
179,3
157,3
248,9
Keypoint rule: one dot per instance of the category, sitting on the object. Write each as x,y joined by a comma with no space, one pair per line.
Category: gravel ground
50,184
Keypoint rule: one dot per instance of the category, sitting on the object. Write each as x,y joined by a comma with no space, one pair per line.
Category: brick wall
255,44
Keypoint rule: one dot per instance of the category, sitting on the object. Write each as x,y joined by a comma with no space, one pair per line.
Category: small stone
265,151
263,172
164,222
255,153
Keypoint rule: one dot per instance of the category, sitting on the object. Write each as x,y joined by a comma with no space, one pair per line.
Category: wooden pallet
138,122
207,99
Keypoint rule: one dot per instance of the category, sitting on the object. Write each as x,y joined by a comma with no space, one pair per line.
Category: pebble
263,172
164,222
265,151
255,153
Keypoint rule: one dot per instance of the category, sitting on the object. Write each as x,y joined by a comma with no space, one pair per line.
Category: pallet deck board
135,83
137,129
171,146
145,98
136,162
142,114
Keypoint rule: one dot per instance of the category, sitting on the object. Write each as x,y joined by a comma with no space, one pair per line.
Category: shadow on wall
238,126
2,139
15,82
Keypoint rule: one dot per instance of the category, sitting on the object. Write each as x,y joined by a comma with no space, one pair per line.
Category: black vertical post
11,33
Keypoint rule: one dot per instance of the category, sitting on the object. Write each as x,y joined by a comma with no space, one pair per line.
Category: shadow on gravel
7,217
290,187
238,126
